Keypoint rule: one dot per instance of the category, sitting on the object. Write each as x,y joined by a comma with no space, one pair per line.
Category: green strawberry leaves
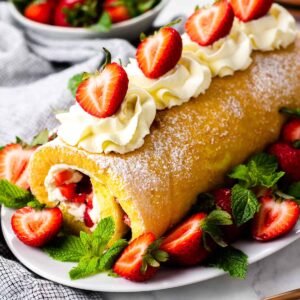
74,83
89,250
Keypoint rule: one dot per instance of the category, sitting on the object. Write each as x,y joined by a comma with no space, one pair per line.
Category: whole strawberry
117,12
159,53
291,131
40,11
288,159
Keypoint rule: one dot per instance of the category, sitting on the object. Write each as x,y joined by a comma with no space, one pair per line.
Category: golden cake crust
191,147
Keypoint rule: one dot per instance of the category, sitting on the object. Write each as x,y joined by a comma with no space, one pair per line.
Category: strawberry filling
76,191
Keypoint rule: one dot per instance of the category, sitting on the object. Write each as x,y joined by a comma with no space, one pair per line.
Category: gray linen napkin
31,90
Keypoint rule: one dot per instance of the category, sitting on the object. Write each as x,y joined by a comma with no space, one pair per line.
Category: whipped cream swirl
225,56
188,79
275,30
123,132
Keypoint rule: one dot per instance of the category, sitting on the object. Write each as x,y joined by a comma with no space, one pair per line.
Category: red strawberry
79,198
41,11
102,94
36,228
208,25
62,177
288,158
247,10
117,12
60,16
14,164
291,131
184,244
222,199
136,263
275,218
68,191
87,219
159,53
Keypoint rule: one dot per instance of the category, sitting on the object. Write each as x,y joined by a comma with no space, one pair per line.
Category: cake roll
189,150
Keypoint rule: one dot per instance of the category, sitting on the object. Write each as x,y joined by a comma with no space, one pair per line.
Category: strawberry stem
107,58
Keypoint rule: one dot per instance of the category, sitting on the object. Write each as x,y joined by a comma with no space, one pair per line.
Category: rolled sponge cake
190,149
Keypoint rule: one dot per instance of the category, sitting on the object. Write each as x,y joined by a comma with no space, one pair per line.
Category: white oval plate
40,263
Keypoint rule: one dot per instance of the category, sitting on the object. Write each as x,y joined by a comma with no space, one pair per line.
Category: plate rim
134,287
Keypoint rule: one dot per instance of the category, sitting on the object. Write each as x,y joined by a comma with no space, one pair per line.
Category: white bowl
129,30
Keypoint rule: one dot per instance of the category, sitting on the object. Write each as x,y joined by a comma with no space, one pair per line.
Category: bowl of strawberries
77,19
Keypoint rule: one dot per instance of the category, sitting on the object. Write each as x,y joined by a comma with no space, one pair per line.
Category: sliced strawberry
184,244
159,53
102,94
36,228
291,131
140,260
68,191
207,25
14,164
41,12
79,198
288,158
62,177
247,10
117,12
87,219
275,218
126,220
223,200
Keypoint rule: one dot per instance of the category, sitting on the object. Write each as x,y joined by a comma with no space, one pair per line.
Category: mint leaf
74,83
111,255
231,260
294,189
41,138
87,266
259,171
219,217
211,225
104,23
67,248
13,196
244,204
289,111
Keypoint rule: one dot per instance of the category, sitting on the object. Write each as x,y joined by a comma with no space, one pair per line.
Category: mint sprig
89,250
260,171
13,196
231,260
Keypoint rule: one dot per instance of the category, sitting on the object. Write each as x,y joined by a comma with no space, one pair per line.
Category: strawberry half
140,260
14,164
101,94
158,54
208,25
184,244
36,228
247,10
291,131
288,159
275,218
